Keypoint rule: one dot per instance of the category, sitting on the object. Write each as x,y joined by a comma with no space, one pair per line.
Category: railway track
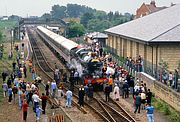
42,63
108,112
117,108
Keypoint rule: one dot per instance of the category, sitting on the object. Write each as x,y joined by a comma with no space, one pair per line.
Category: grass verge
167,110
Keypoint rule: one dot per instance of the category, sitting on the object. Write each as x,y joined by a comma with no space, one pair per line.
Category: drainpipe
157,58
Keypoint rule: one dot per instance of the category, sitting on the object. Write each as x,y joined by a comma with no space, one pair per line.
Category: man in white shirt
69,98
36,100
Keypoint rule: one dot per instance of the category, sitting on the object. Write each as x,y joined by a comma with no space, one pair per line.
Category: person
150,112
53,88
25,71
9,94
14,90
9,82
60,94
14,65
143,99
76,77
107,91
4,75
176,77
137,103
30,94
38,112
5,88
44,99
131,85
19,97
90,92
116,92
86,91
71,80
69,98
25,109
81,96
125,89
47,88
36,101
149,96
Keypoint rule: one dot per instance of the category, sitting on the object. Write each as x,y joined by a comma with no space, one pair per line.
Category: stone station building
155,37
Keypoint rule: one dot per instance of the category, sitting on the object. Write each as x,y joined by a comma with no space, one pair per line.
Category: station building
155,37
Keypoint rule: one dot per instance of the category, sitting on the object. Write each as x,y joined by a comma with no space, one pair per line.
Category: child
38,112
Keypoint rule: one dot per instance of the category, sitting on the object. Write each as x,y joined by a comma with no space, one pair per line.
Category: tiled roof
150,27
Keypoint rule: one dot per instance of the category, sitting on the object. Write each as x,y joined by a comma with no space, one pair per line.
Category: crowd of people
26,93
119,82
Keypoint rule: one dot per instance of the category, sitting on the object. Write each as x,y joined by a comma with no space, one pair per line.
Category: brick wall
143,10
162,91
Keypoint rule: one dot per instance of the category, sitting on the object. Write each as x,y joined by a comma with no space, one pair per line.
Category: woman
116,93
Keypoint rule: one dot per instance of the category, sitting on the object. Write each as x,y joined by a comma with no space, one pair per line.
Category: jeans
20,102
150,117
33,76
68,103
137,107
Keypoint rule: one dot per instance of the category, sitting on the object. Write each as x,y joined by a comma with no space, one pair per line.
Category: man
53,88
44,99
69,98
14,65
149,96
116,92
81,96
71,80
90,92
107,91
25,109
5,88
150,112
76,77
36,100
137,103
125,89
86,91
47,89
4,75
9,94
14,90
25,71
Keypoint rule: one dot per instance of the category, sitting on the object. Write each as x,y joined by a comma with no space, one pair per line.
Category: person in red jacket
25,109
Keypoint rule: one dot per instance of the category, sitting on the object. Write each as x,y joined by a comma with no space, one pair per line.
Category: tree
58,12
110,16
1,36
101,15
75,29
98,25
86,18
46,16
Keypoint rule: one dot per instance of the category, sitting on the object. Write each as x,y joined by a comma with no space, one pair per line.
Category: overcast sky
38,7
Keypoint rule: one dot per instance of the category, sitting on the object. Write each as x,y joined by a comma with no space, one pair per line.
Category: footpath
12,112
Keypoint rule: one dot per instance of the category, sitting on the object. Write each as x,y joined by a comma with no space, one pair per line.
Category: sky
26,8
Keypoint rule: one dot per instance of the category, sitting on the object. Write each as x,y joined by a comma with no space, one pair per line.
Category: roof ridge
164,32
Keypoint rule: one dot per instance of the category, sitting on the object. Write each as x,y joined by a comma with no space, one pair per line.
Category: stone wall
162,91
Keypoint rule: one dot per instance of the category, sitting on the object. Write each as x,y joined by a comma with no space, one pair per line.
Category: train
73,55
